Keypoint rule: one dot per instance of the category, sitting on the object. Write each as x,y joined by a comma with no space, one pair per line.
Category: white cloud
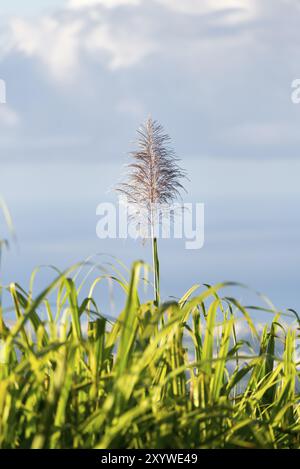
123,49
54,43
59,41
78,4
243,7
96,28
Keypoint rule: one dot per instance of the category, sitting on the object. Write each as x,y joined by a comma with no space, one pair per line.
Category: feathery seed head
154,178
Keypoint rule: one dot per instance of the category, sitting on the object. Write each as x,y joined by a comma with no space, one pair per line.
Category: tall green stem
155,270
155,261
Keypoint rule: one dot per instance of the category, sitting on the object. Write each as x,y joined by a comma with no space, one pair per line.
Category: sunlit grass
174,376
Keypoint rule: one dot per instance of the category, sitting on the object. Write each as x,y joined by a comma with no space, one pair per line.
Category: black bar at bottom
89,459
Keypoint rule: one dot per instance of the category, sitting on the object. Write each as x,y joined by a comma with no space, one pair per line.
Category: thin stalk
155,261
155,271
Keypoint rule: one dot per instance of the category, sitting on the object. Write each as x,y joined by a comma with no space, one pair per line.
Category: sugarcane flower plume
154,178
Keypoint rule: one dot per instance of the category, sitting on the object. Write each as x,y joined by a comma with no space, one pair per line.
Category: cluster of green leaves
173,376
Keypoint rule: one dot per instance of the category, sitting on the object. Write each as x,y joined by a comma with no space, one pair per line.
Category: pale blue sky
218,76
